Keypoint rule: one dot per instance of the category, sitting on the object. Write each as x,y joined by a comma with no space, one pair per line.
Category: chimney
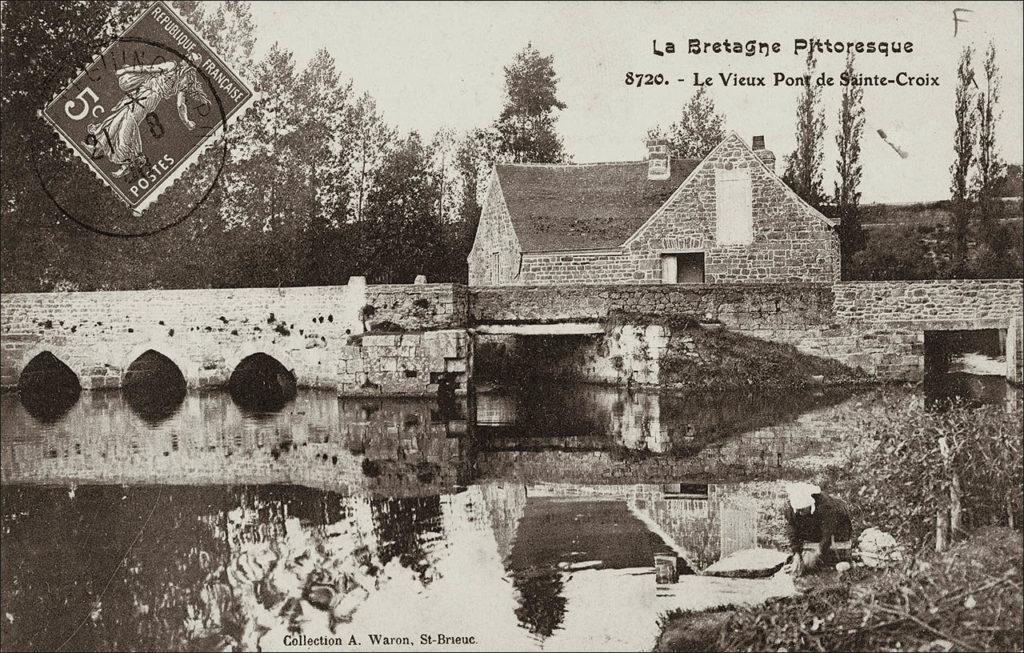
767,156
658,159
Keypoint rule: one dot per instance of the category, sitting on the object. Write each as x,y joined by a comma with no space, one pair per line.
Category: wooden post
951,527
955,511
941,530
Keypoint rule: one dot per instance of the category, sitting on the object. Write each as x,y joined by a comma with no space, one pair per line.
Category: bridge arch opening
153,386
970,365
47,387
261,383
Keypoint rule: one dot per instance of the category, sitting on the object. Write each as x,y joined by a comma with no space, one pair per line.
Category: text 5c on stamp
146,107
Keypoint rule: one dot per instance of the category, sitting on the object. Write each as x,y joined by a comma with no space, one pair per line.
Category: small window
682,268
495,268
733,207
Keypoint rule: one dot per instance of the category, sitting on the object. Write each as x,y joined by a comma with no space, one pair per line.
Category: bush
967,599
915,456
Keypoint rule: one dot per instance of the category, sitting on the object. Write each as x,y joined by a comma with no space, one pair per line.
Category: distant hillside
926,213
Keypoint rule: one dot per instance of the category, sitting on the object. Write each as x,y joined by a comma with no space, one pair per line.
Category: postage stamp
147,106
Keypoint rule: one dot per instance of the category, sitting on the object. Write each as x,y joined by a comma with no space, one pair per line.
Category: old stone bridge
405,339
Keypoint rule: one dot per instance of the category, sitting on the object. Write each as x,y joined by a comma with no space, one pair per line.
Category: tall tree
526,126
402,236
699,128
444,162
39,248
989,165
324,139
963,147
847,194
373,139
803,171
477,154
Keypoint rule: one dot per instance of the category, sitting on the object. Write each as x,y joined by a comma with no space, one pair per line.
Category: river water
523,520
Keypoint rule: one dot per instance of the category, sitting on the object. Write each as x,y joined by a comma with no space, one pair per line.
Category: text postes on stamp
144,109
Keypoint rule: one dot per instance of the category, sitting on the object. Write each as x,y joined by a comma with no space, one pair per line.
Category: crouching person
819,528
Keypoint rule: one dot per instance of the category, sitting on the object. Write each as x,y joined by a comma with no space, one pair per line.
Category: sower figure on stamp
818,526
117,137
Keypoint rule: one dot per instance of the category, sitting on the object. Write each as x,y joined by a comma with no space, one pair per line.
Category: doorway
687,267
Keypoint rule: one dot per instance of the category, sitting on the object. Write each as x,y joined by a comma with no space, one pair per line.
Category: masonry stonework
786,306
495,257
312,331
417,334
878,327
791,242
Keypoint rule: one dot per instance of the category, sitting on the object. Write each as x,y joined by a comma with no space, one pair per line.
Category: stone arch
47,386
30,354
260,380
153,386
163,348
279,354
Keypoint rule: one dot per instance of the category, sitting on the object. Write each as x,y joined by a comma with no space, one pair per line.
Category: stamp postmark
144,110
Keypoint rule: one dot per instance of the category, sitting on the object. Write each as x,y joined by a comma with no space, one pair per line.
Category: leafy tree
963,146
1010,183
699,128
325,136
39,247
477,154
444,162
402,236
803,167
526,126
847,193
227,28
893,254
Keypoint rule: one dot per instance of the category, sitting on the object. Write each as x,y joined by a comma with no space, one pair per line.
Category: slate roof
587,206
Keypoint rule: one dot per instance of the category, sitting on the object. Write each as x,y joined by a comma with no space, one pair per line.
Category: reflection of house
726,218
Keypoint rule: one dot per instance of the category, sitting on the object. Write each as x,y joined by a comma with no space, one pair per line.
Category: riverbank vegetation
947,483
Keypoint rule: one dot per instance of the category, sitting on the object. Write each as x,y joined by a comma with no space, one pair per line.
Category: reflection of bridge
375,447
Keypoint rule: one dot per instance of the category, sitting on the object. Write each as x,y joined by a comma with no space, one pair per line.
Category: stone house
725,219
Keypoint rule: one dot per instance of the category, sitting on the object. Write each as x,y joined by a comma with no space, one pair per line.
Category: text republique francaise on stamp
147,106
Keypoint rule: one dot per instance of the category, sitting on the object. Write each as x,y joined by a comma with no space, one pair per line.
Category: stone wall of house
495,238
790,242
207,332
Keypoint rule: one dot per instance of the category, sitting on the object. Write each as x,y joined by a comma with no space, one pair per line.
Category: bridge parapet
206,331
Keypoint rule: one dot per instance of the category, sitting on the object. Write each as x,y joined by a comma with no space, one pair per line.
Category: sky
432,65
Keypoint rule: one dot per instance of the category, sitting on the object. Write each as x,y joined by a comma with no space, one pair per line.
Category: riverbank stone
748,563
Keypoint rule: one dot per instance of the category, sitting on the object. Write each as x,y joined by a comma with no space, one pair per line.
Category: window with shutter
735,221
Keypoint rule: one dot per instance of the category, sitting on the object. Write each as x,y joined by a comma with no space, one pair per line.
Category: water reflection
941,390
244,566
219,526
590,417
